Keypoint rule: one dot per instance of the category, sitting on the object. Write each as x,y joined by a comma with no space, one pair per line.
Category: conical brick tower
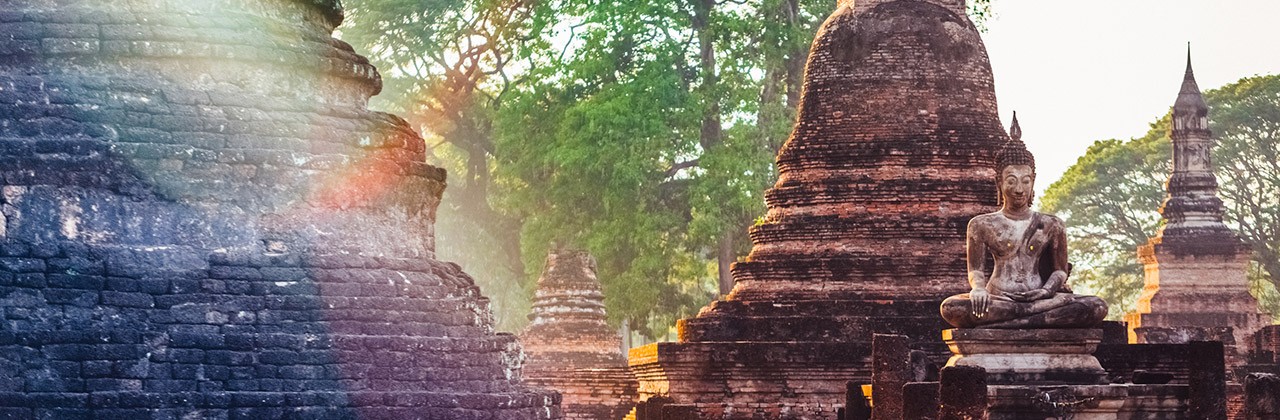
568,345
891,156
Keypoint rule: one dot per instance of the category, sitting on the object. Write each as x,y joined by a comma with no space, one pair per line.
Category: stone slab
1088,402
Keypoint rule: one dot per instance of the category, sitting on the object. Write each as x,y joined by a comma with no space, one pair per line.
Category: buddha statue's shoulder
986,217
1050,221
987,220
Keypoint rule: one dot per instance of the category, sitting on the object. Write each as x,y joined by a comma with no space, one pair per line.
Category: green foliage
1111,196
980,11
1246,121
642,131
612,153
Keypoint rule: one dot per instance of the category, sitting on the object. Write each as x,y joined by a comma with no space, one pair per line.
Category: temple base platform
730,380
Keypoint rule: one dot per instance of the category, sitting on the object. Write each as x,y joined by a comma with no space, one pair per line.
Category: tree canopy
1112,194
641,131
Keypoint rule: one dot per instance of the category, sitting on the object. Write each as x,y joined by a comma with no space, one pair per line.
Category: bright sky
1082,70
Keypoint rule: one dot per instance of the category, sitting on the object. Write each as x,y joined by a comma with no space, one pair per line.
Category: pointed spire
1189,97
1189,74
1015,131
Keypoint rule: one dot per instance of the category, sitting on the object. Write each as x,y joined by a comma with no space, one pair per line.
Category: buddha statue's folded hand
1030,295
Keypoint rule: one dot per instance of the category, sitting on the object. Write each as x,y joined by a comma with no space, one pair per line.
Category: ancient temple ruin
570,348
890,158
1195,267
201,219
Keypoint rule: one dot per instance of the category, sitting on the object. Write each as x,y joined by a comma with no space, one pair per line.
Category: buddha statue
1027,288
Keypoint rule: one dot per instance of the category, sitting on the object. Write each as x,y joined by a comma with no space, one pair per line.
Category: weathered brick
133,300
22,265
75,281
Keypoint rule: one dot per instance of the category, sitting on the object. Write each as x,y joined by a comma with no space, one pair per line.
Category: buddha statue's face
1017,185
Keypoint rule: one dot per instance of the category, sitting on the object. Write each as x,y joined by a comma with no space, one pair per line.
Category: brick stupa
890,158
1196,283
201,219
568,345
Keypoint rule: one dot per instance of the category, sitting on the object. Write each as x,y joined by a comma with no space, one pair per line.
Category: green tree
642,131
1111,196
650,140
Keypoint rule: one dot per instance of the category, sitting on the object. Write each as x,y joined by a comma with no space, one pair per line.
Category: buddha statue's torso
1016,247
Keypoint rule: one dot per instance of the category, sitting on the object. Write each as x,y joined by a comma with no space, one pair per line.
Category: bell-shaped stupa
890,158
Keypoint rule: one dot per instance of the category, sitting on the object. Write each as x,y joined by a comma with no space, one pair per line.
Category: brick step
319,399
297,300
826,307
853,269
859,225
809,328
848,289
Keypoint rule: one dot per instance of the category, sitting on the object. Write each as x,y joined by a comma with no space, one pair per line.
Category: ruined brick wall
201,217
569,346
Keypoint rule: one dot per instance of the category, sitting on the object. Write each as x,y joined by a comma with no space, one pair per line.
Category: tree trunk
725,260
711,131
473,196
795,60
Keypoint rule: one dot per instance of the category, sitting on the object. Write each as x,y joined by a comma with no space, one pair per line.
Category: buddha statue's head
1015,171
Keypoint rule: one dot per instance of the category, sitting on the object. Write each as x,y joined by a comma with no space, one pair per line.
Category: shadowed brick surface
962,393
201,218
1262,396
920,401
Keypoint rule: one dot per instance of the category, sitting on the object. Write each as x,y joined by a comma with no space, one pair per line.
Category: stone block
1114,332
856,402
1262,396
890,370
962,393
1208,380
920,401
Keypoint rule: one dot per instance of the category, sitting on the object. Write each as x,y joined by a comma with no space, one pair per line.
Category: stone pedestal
1082,402
1052,373
1046,356
1087,402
